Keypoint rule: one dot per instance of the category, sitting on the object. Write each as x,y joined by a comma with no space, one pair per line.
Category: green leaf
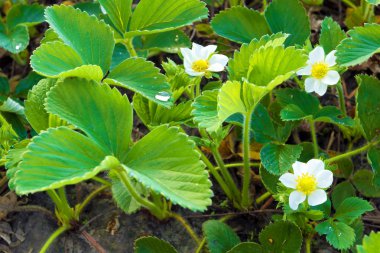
262,125
153,245
4,88
374,159
122,197
238,66
95,46
229,100
278,158
298,104
142,77
281,236
338,234
363,181
170,41
351,209
205,110
363,42
153,115
344,168
246,247
27,84
56,158
35,105
220,237
374,2
368,105
55,59
240,24
101,112
29,15
341,192
12,106
297,24
165,15
270,181
331,114
271,66
371,243
166,161
14,157
331,35
14,40
119,11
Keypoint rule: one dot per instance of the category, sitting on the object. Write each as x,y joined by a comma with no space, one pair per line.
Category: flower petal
207,51
296,198
289,180
304,71
299,168
317,197
217,62
331,78
197,52
331,58
314,166
317,55
324,179
191,72
309,84
320,88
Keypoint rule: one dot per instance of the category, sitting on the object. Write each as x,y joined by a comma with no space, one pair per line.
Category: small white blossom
319,71
200,60
308,181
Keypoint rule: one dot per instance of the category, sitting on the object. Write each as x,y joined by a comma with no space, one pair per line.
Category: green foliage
297,24
142,77
374,2
153,245
269,180
341,192
352,208
278,158
245,247
363,181
371,243
229,100
362,43
119,12
14,35
281,236
331,35
338,234
205,111
219,236
164,15
123,197
240,24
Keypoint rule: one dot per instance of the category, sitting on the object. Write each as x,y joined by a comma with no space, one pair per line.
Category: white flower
320,72
200,60
309,180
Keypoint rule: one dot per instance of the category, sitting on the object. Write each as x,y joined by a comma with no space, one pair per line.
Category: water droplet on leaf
163,96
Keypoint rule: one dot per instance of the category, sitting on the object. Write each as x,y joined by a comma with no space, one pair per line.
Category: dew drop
103,10
18,46
176,39
163,96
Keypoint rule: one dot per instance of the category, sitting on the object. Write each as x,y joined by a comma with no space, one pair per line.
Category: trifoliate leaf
240,24
338,234
331,35
363,181
297,25
220,237
281,236
352,208
278,158
363,42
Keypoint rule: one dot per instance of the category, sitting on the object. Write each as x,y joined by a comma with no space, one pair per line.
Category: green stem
342,101
144,202
186,225
52,237
234,165
201,245
216,175
263,197
314,137
102,181
226,174
89,198
129,45
246,159
349,3
308,245
65,213
352,153
197,83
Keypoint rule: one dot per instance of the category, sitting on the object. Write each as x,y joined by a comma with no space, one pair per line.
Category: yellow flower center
200,66
306,183
319,70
